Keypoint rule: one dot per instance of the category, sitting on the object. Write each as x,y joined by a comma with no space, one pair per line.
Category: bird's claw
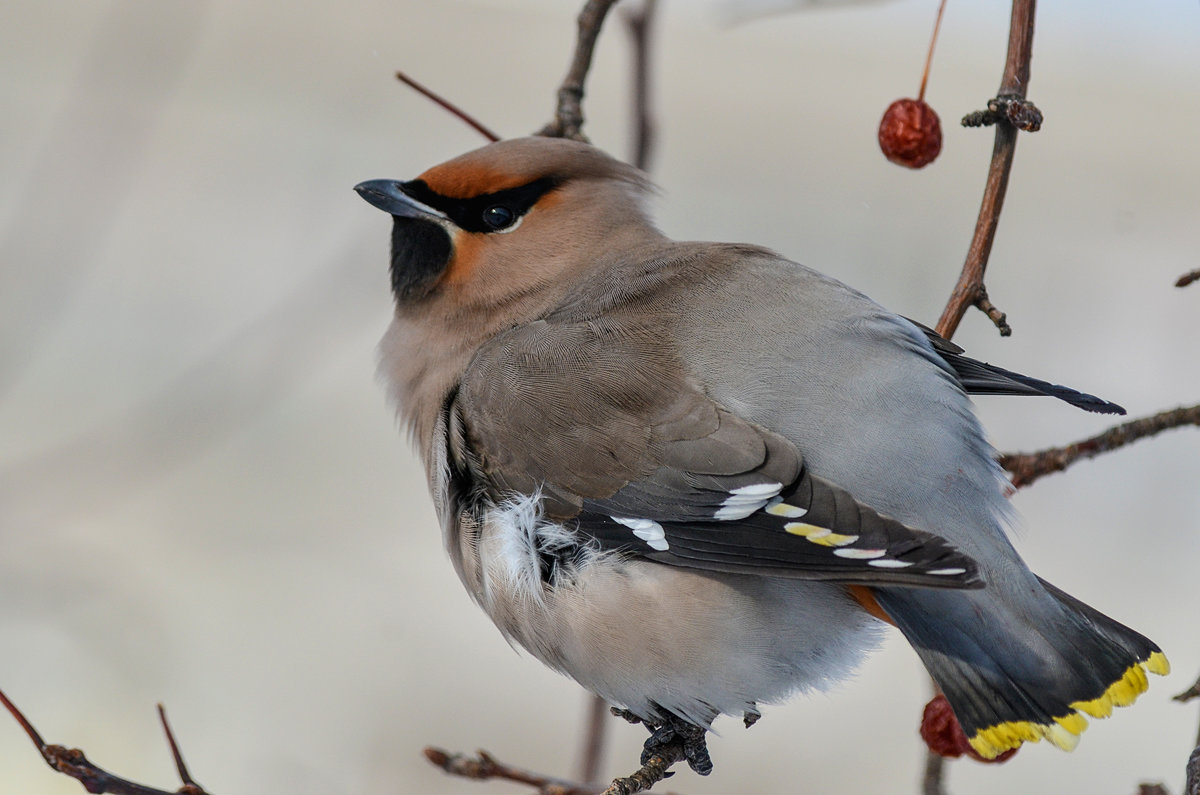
677,735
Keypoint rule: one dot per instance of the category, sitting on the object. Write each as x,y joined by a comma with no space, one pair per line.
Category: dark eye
499,217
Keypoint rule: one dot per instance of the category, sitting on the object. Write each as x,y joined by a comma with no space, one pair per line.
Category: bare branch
654,770
1017,114
448,105
1028,467
1192,787
25,724
73,763
180,767
931,781
594,735
639,24
1183,698
485,766
1189,694
1188,278
568,117
995,315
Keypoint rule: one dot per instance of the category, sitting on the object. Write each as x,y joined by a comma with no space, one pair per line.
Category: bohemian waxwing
694,477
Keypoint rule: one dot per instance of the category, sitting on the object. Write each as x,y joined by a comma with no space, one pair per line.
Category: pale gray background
203,496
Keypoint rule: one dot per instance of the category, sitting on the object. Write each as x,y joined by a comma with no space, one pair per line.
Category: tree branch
655,769
568,117
1183,698
1189,694
448,105
594,735
1028,467
1188,278
931,780
639,23
485,766
180,767
73,763
1009,112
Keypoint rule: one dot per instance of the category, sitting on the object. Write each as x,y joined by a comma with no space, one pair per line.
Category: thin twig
639,23
594,736
937,26
448,105
969,290
180,766
931,781
25,724
1188,278
73,763
485,766
995,315
568,116
1188,695
655,769
1028,467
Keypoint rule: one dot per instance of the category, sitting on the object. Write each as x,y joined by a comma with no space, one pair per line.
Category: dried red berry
910,133
943,734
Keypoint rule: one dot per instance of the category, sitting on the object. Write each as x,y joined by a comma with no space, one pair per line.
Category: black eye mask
489,212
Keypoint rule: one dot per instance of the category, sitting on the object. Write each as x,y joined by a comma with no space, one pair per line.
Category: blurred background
204,499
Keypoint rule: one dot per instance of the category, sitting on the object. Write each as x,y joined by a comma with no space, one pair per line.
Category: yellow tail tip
1158,664
1064,732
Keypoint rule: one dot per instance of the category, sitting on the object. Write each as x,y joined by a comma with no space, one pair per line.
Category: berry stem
937,25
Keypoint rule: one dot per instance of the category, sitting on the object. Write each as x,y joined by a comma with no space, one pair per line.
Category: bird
699,478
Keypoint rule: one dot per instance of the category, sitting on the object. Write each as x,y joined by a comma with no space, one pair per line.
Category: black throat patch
420,252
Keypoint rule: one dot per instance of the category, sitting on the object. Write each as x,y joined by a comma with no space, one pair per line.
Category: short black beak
389,196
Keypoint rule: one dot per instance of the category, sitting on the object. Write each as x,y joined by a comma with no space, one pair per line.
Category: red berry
910,133
943,734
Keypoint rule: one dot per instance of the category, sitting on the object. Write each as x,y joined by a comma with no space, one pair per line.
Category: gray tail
1012,675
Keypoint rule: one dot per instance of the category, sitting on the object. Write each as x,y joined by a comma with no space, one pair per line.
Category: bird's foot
675,738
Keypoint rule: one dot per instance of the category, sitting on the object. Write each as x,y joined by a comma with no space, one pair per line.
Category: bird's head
490,240
505,220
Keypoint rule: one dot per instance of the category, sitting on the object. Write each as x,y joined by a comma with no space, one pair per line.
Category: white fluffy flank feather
522,539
